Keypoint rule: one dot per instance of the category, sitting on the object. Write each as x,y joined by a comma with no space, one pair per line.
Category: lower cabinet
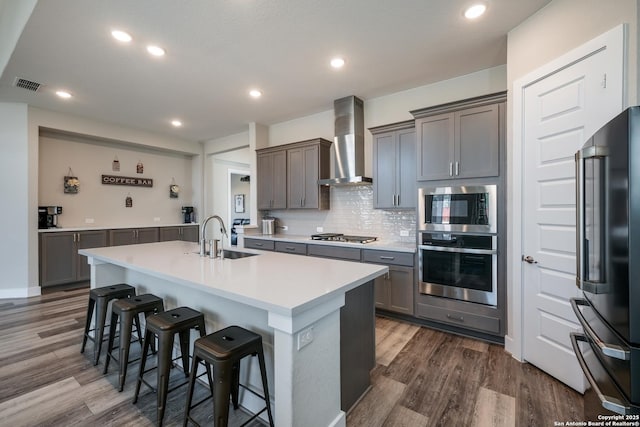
485,319
59,259
265,245
132,236
395,290
187,233
291,248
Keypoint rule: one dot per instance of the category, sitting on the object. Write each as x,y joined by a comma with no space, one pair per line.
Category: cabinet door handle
289,248
387,257
398,198
74,237
450,168
458,318
258,244
78,234
457,168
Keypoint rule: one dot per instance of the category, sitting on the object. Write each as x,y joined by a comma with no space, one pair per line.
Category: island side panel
308,378
357,344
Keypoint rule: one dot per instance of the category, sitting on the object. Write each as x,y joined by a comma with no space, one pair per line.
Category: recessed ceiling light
475,11
121,36
155,50
176,123
255,93
63,94
337,62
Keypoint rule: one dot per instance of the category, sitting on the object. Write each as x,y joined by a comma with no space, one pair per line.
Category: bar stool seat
164,326
99,299
223,350
128,312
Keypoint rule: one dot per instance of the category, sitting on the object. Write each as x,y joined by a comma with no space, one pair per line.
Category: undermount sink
229,254
236,254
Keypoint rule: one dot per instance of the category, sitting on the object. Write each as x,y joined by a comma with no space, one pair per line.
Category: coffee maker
48,216
188,214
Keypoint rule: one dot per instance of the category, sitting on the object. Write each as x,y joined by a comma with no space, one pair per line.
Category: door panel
560,112
386,173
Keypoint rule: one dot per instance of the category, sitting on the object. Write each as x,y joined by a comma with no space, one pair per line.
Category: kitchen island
295,303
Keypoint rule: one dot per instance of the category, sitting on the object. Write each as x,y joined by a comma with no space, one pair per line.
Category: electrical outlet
305,337
89,220
156,219
404,233
319,229
285,228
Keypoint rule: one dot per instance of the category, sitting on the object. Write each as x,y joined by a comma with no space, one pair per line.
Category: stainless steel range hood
348,144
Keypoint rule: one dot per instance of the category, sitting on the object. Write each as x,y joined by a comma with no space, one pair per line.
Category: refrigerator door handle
601,286
611,403
579,218
610,350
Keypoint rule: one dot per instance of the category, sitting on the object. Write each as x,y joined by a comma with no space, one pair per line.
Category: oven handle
613,404
458,250
610,350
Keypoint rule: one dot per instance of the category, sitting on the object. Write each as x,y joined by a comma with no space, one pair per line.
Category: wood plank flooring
423,377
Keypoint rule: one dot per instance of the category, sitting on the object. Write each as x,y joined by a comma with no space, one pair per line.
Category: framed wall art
239,203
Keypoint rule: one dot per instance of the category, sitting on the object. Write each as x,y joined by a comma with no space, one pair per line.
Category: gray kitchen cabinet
291,248
394,166
461,139
132,236
307,162
395,290
265,245
60,262
187,233
334,252
435,310
272,178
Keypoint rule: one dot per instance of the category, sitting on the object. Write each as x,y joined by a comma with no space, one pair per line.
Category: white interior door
560,112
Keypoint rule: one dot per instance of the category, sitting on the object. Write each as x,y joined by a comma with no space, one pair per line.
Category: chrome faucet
203,240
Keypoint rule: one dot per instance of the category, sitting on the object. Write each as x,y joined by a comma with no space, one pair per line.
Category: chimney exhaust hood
348,144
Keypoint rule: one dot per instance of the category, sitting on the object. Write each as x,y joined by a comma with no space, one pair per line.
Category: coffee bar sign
127,180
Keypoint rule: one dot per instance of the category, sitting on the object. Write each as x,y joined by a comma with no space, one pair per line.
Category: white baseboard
32,291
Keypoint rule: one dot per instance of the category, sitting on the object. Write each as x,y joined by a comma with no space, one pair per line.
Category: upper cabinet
308,162
272,178
394,166
288,175
461,139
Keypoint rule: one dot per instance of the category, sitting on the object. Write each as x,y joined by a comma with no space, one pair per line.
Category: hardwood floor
422,378
439,379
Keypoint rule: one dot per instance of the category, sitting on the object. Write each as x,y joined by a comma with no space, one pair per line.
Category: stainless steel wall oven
458,254
459,266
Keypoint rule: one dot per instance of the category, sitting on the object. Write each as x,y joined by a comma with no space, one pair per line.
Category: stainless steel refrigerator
608,266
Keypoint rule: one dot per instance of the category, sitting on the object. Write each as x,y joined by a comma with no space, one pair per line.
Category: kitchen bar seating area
220,351
41,365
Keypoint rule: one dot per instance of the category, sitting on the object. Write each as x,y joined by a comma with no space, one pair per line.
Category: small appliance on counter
268,225
48,216
188,214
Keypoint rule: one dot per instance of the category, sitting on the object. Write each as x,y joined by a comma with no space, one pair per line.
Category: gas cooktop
339,237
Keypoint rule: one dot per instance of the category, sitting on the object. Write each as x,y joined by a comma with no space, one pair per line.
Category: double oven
458,253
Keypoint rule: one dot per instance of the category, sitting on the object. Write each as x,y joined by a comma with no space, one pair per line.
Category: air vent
27,84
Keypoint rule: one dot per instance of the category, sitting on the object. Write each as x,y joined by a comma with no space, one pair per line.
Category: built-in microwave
458,209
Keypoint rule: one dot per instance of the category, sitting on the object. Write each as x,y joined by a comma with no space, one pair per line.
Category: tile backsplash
351,212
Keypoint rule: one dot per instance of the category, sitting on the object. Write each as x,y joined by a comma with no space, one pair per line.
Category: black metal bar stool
223,350
99,298
164,326
128,311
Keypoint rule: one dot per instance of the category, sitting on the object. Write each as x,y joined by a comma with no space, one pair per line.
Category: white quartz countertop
115,227
380,245
276,282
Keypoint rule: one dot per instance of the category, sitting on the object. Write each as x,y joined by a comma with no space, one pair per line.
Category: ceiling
216,51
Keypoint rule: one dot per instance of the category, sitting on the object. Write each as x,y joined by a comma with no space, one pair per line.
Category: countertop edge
377,245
